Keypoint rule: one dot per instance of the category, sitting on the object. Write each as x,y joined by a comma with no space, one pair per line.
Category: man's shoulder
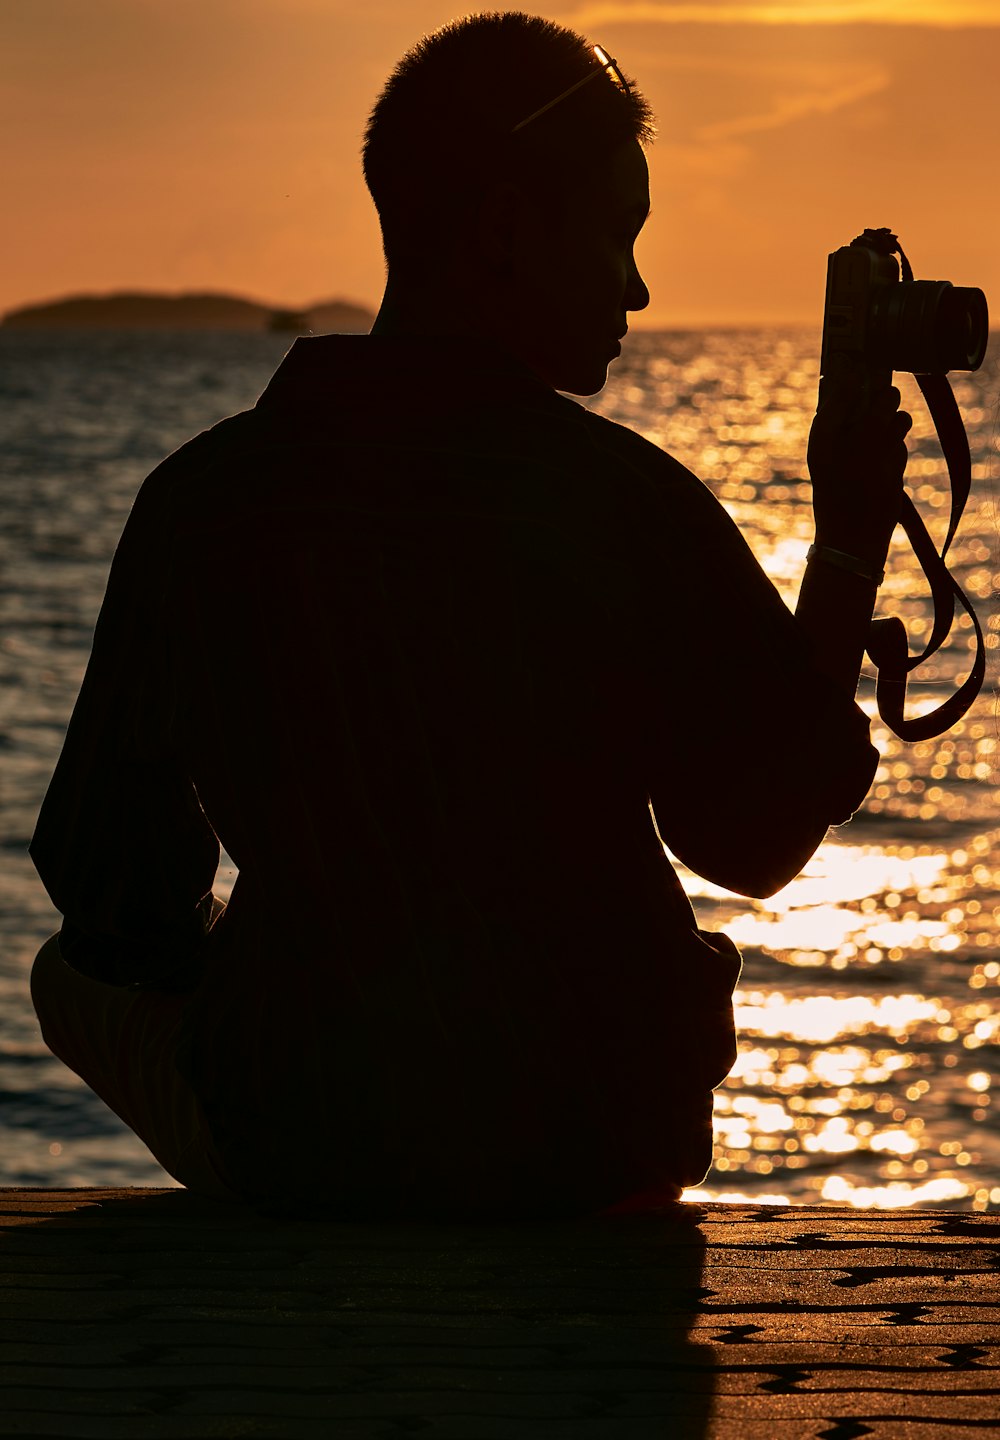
633,448
226,438
243,456
200,470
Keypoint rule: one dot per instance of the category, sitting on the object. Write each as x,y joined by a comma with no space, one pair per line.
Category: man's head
522,231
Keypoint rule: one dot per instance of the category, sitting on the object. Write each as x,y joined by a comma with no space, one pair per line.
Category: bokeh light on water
867,1010
867,1062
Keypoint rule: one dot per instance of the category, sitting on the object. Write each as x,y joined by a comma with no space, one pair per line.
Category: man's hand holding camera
857,458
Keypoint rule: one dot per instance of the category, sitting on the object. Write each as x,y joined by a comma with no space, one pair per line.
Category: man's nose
636,293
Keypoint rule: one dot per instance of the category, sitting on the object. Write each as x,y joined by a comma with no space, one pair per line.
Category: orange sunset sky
214,144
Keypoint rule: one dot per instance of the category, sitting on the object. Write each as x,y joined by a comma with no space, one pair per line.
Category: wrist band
846,562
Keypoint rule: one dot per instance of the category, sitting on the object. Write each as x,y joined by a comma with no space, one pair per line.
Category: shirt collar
349,372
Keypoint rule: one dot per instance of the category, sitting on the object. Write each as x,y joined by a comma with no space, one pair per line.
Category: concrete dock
152,1313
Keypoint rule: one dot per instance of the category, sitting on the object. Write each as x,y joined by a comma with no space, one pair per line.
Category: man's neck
420,310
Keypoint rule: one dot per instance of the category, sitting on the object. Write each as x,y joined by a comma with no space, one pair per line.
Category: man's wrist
843,560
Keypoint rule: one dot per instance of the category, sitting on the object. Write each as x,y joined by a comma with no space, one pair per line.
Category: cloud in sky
946,13
786,108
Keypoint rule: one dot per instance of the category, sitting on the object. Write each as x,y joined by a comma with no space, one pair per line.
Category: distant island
141,310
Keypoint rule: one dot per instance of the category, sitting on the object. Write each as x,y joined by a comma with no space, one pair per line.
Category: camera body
927,327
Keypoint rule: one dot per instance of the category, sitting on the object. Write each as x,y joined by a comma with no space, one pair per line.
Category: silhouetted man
427,646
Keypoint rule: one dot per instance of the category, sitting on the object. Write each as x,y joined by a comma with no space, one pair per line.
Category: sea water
867,1009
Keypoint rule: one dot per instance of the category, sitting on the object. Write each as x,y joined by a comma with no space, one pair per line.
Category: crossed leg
123,1043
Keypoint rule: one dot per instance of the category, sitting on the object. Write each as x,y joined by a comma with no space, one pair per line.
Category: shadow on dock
156,1313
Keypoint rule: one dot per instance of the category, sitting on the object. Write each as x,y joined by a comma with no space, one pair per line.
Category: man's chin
583,380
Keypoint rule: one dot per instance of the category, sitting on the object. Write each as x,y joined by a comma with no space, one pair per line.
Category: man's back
394,637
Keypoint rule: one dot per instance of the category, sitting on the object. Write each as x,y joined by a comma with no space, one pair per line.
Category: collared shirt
427,646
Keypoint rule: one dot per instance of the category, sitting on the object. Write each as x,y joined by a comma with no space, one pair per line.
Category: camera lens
929,326
961,329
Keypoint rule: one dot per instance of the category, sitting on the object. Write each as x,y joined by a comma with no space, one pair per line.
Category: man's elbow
755,882
761,883
757,864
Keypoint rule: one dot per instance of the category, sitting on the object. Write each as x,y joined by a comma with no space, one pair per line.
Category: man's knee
46,972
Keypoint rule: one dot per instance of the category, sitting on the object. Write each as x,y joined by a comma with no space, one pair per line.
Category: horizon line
682,322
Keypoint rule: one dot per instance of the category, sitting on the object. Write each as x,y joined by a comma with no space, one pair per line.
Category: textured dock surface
151,1313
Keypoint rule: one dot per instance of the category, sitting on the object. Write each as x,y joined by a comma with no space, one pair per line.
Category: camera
927,327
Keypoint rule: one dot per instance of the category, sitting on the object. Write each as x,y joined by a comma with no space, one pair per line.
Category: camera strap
888,645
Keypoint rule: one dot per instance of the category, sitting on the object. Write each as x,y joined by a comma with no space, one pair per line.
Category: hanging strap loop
888,646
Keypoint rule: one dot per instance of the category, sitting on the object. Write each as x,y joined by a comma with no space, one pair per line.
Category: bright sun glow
826,911
821,1018
894,1196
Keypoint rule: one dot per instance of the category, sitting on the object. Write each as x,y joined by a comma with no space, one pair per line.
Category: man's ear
506,224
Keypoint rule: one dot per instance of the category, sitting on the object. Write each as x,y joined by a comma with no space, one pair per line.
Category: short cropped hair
440,130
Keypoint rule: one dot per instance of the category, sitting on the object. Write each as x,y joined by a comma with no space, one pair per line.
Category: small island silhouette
149,310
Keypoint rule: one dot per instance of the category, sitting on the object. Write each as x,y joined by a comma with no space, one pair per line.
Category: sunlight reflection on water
891,1104
876,1077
